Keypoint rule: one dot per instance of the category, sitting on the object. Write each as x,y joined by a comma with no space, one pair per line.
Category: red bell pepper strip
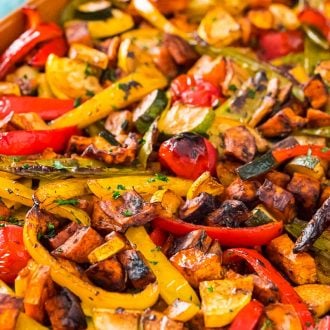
33,18
25,43
281,155
275,44
47,108
265,270
247,236
158,236
57,46
34,142
248,317
315,19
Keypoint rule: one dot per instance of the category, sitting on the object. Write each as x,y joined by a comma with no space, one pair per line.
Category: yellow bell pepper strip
145,185
87,292
25,322
119,95
16,192
149,12
172,285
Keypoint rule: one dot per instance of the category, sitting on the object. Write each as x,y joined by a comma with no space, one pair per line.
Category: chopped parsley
210,289
127,213
126,87
121,187
25,166
156,249
159,177
325,149
77,102
89,93
153,262
58,165
50,230
73,202
232,88
88,70
251,93
116,194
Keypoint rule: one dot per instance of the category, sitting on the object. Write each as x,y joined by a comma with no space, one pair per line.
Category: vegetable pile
165,165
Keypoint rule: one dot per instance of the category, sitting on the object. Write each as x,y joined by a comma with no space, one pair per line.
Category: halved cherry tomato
193,91
275,44
13,255
188,155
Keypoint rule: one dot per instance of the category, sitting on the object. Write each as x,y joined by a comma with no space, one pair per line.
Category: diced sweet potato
299,267
282,123
245,191
278,201
197,266
306,191
108,274
79,245
77,32
317,118
265,290
240,143
316,92
167,7
64,312
165,62
279,178
152,320
138,271
63,235
39,289
10,308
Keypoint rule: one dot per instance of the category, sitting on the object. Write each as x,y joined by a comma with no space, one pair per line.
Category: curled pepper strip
265,270
88,293
227,236
25,43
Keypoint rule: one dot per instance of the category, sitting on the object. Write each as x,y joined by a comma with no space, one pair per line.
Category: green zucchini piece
94,10
260,216
118,23
148,141
148,109
185,118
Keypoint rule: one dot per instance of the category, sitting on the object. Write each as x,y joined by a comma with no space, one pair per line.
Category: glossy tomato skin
198,92
13,255
275,44
188,155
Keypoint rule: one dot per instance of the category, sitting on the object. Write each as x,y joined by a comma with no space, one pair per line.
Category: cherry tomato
188,155
275,44
316,19
13,255
199,92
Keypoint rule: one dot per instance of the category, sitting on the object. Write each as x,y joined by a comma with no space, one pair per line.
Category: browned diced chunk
64,312
278,201
195,209
279,178
180,50
316,92
39,289
137,269
108,274
232,213
165,62
317,118
129,210
282,123
79,245
240,143
10,308
77,32
110,47
226,172
325,195
152,320
102,222
196,239
299,267
306,191
63,235
264,290
245,191
167,7
197,266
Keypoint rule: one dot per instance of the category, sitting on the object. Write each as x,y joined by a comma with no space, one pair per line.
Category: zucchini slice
94,10
185,118
148,109
118,23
